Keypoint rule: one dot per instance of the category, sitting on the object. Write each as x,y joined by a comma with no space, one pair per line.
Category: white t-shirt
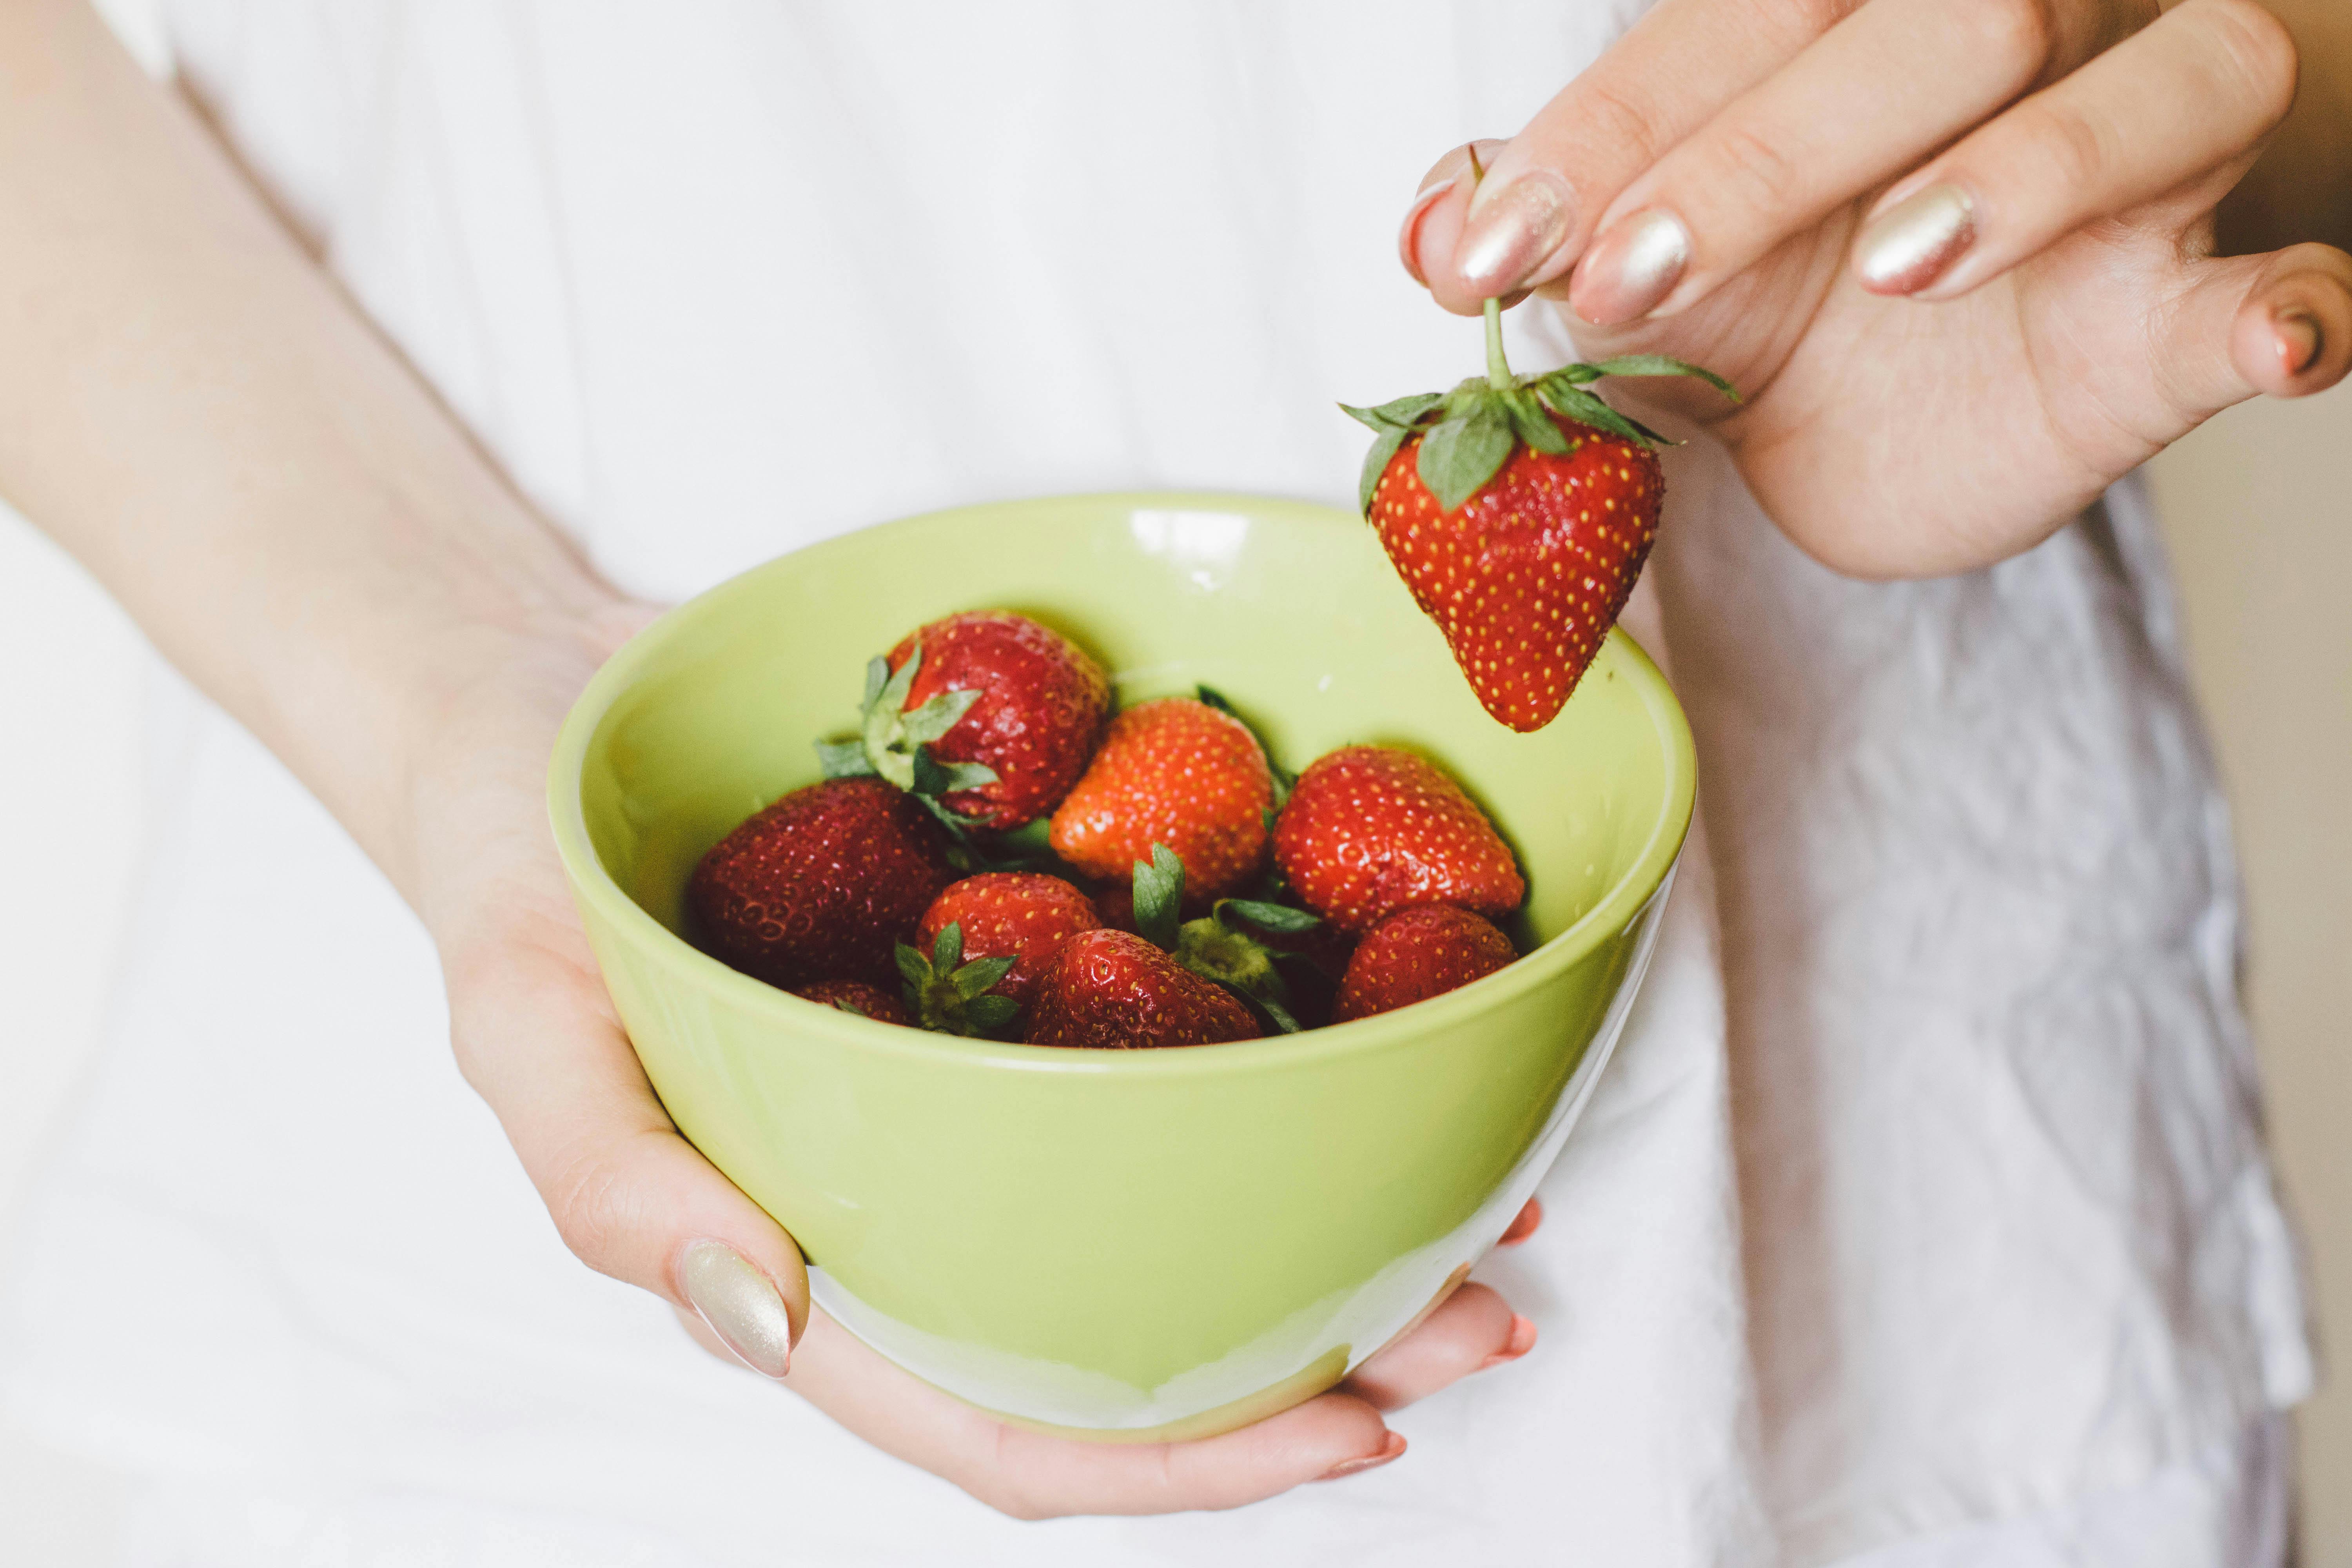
1926,1189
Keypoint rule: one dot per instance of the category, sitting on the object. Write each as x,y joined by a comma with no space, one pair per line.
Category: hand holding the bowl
1957,257
321,547
535,1034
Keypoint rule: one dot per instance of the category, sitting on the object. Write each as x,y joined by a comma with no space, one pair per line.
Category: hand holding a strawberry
1958,258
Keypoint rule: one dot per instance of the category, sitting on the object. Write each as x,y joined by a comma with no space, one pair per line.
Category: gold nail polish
1513,231
1631,268
740,1304
1915,241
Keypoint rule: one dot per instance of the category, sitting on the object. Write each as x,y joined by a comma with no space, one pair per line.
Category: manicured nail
2300,338
1522,1340
1513,231
1630,268
1409,233
739,1303
1915,241
1523,1224
1389,1450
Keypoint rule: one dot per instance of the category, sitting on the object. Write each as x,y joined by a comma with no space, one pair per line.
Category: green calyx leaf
950,996
1467,434
1586,409
881,717
1376,463
844,759
980,976
990,1014
1268,917
1160,896
1465,450
1654,364
1392,423
931,778
895,742
1403,414
1238,961
935,718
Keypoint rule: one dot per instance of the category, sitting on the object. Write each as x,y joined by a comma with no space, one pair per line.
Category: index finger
1532,214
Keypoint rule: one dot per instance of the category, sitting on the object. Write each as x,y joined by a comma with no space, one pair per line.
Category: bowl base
1320,1377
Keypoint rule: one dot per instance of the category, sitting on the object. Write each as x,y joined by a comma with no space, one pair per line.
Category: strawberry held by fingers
1518,512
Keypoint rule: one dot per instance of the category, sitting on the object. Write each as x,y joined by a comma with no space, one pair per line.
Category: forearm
2301,189
189,406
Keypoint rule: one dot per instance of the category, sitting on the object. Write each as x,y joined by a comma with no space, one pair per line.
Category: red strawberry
1007,710
1018,915
1518,512
1417,953
820,885
1372,829
1117,907
1176,771
856,997
1113,988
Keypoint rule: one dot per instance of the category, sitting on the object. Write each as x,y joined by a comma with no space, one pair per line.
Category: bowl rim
594,886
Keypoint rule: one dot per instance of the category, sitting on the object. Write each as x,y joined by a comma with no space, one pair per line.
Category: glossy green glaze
1122,1243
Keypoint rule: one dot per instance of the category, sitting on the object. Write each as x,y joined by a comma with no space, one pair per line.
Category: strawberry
1113,988
1212,947
1518,512
1371,830
1116,906
820,885
987,713
856,997
1417,953
1177,771
1021,916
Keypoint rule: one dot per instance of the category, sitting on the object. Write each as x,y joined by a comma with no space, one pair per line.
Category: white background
2257,512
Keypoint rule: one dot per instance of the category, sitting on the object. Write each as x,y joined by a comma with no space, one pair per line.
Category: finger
1474,1329
1882,89
2279,325
536,1038
1534,209
2199,90
1033,1475
1523,1225
1435,185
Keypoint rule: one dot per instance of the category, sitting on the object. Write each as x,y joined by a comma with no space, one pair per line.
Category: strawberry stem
1499,369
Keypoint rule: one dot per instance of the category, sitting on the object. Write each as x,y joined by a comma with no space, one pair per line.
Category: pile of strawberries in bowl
994,853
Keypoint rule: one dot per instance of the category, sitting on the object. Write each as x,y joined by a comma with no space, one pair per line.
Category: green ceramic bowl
1122,1245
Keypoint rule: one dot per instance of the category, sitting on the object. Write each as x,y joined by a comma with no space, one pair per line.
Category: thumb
2278,325
536,1037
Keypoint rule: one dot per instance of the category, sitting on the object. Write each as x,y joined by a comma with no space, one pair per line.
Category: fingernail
2300,338
1513,231
1630,268
1523,1224
1389,1450
1522,1340
1915,241
740,1304
1409,233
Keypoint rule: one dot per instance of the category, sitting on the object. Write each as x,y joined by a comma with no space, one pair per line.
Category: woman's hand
1957,256
314,541
536,1035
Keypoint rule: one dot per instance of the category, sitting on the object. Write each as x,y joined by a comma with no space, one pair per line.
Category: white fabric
1924,1203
